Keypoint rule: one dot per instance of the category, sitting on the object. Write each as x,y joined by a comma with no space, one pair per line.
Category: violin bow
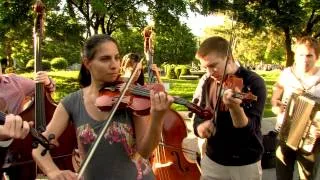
104,129
216,109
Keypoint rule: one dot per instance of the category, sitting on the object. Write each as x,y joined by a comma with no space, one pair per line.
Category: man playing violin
234,141
302,77
129,139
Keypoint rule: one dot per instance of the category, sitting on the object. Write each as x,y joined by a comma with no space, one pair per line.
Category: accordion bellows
301,114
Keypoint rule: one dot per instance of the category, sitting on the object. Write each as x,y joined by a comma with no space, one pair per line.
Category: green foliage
69,23
288,19
59,63
108,16
65,85
130,40
16,24
181,70
175,45
9,70
250,47
65,38
185,70
177,71
62,37
170,73
30,65
46,66
189,77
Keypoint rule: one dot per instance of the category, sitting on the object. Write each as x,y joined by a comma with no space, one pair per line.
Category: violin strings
139,91
145,92
189,151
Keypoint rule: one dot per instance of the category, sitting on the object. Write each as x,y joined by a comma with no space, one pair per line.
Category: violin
233,82
38,137
137,99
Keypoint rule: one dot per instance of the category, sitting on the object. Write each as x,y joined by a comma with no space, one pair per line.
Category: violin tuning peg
44,152
51,137
34,145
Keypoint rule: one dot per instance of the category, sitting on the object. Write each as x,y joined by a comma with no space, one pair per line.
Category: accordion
302,112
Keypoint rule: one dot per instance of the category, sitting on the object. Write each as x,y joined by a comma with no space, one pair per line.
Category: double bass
39,110
168,160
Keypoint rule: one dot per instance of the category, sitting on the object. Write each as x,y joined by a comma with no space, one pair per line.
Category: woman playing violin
128,141
234,141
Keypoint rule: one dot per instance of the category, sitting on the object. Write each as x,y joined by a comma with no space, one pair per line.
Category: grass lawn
67,82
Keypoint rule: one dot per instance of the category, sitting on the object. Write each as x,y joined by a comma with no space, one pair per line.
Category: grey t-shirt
116,156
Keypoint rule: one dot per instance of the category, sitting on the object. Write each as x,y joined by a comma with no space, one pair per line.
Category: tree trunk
289,53
8,53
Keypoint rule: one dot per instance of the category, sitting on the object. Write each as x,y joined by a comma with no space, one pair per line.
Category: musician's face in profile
305,58
105,65
214,64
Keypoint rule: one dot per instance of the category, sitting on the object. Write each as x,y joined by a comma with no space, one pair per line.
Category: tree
177,46
249,47
17,21
293,18
70,22
130,40
63,37
14,15
108,16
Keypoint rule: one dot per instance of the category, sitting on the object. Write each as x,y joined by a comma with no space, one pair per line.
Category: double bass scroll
40,110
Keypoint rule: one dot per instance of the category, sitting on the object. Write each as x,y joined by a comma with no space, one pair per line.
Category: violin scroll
38,138
202,113
233,82
147,35
39,9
